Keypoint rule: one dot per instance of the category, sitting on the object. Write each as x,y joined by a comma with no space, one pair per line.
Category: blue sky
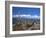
25,11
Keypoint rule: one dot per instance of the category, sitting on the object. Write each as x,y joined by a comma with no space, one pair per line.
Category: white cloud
27,16
36,16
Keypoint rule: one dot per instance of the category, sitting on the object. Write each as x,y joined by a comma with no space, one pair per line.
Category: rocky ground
19,26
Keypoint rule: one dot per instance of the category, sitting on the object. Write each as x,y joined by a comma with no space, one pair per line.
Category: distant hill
17,19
